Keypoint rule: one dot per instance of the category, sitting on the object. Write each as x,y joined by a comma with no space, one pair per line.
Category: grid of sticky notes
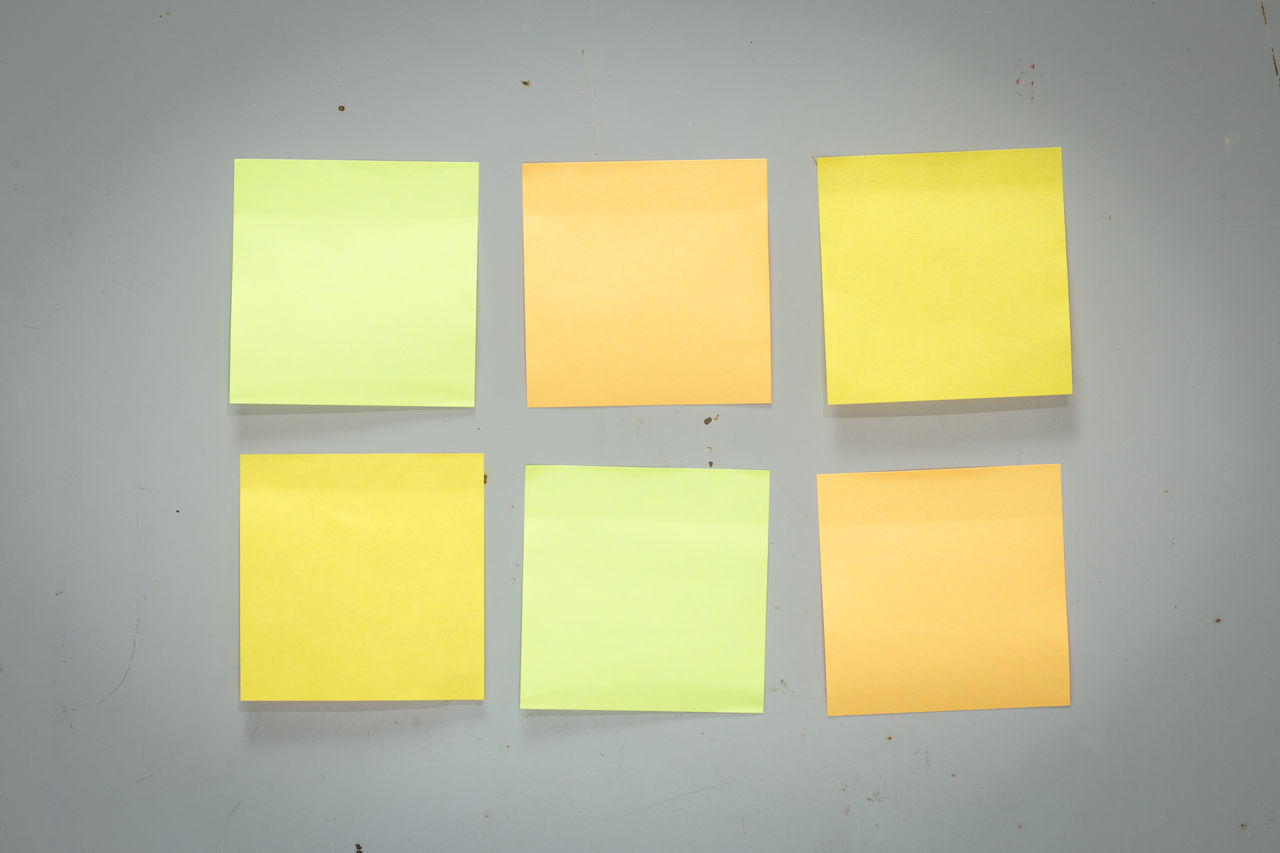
647,283
361,576
943,590
944,276
644,589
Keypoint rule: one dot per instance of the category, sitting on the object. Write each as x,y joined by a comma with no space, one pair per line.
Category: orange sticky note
943,590
646,283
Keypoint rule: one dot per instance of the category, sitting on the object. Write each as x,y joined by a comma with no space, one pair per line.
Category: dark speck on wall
486,478
359,849
342,108
1217,620
710,464
1244,826
706,420
524,82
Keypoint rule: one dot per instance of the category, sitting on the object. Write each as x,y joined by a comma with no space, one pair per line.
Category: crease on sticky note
644,589
944,276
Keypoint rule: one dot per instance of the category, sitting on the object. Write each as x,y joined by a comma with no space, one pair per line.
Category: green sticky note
644,589
353,283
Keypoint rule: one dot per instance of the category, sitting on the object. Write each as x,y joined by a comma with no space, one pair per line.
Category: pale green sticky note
353,283
644,589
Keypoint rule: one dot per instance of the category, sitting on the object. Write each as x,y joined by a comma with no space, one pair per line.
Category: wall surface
120,726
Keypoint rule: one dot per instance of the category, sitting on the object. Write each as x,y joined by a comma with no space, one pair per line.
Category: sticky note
944,276
646,283
943,590
644,589
362,576
353,283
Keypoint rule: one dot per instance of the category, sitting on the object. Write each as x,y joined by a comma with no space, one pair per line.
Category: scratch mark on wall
679,797
132,653
1274,67
595,119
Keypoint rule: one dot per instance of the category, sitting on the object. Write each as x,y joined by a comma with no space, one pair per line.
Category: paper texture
362,576
354,283
646,283
644,589
943,590
944,276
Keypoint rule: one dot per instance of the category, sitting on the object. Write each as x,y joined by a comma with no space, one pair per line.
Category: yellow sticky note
644,589
362,576
353,283
646,283
944,276
943,590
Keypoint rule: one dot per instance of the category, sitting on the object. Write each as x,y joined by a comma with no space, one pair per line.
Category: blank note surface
644,589
353,283
943,590
944,276
646,283
362,576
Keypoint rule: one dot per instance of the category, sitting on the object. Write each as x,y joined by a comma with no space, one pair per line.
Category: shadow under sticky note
944,276
361,577
644,589
646,283
354,283
943,590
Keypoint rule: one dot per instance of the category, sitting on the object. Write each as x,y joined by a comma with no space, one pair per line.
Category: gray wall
120,727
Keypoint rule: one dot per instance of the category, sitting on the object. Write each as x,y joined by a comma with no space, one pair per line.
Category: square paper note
943,590
944,276
646,283
644,589
354,283
362,576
